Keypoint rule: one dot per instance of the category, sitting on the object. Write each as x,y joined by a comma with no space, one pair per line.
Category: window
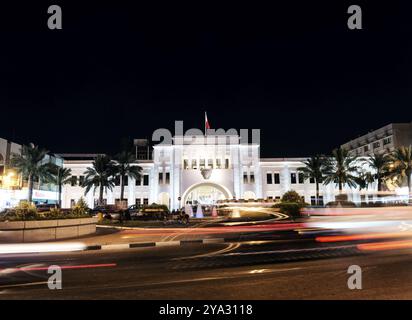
320,200
72,203
118,203
81,180
366,148
226,163
269,178
293,178
185,164
387,140
277,178
311,180
73,181
146,180
194,164
277,199
167,177
301,177
138,202
218,164
245,177
145,201
138,181
252,177
160,177
202,164
210,163
376,144
313,201
117,180
126,181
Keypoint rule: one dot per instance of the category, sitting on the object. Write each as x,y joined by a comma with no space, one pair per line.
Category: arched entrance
205,194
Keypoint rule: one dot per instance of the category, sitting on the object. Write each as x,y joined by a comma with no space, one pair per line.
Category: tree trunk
317,192
121,188
30,187
101,195
60,195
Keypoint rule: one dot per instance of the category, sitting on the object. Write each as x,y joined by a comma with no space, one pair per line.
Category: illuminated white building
192,170
13,188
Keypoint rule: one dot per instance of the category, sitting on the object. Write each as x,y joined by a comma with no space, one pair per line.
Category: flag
207,124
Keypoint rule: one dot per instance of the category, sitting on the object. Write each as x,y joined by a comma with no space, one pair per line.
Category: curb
153,244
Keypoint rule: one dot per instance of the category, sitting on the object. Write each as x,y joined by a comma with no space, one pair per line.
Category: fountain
214,212
199,211
189,210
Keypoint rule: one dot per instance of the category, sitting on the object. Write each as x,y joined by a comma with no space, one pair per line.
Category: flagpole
205,123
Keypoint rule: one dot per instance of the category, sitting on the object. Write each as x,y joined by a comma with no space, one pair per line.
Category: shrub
292,196
25,210
155,207
81,207
292,209
341,203
290,204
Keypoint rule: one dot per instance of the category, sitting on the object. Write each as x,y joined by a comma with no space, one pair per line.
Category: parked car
43,207
134,212
151,212
108,211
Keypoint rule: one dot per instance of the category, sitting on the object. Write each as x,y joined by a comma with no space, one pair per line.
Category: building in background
382,140
192,170
13,188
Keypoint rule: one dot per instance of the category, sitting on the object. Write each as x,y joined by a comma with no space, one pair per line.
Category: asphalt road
214,271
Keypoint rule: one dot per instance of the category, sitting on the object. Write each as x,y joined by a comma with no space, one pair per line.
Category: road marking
230,247
82,266
115,246
23,284
167,243
214,240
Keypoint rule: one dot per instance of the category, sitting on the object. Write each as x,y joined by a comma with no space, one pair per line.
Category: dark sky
121,70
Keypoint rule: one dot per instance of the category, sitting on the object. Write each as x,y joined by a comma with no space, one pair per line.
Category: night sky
118,71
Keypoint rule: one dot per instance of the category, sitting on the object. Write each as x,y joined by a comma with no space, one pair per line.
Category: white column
131,198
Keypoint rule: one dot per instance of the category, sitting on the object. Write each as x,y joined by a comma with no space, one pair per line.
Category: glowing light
40,247
390,245
361,237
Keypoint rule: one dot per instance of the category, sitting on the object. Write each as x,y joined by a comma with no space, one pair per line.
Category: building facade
13,187
382,140
195,170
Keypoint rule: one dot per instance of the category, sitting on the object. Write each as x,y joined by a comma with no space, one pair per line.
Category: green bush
341,203
291,204
81,207
25,211
292,196
155,206
292,209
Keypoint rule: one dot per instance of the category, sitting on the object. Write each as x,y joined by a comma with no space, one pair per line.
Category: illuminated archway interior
205,195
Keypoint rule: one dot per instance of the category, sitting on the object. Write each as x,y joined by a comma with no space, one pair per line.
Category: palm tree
340,169
60,177
379,163
364,179
31,165
401,165
124,167
100,175
313,169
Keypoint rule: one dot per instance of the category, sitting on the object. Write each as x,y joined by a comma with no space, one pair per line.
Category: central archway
205,193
